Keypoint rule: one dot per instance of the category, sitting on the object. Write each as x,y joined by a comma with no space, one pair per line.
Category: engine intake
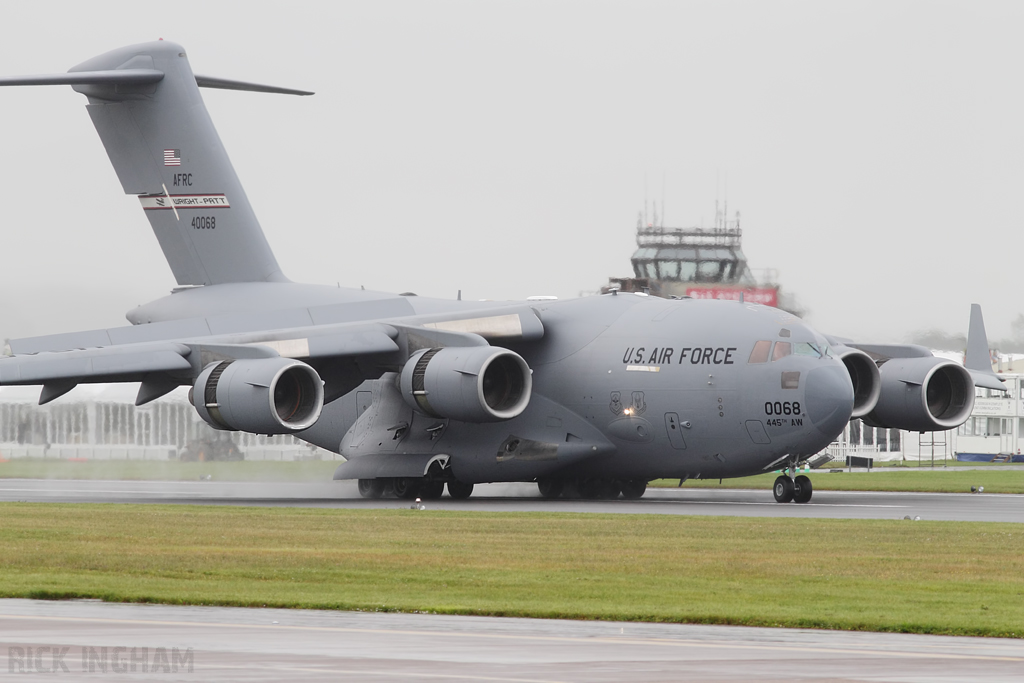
262,396
866,381
470,384
922,395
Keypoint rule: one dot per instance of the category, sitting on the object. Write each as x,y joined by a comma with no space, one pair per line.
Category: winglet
977,360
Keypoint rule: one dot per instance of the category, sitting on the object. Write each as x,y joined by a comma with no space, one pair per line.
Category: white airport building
102,422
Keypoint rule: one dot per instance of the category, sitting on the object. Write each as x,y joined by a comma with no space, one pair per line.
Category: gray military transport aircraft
599,394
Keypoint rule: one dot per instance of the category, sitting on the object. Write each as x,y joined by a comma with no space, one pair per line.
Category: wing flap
350,343
516,324
885,351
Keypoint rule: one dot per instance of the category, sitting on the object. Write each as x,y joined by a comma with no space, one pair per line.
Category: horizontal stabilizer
987,380
141,77
110,77
225,84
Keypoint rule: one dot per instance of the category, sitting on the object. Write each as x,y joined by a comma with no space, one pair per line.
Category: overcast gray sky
501,148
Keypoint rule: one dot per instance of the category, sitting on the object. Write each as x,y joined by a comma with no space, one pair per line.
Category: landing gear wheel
371,488
783,489
432,490
633,489
802,489
550,488
407,487
458,490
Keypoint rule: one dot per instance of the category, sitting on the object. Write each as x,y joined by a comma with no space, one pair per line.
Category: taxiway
237,644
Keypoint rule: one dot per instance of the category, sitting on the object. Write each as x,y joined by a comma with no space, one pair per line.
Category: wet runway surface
147,642
524,497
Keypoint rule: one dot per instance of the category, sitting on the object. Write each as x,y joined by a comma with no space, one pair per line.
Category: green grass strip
920,577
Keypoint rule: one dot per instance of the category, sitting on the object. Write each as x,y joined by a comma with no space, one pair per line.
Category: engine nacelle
867,384
922,395
467,383
262,396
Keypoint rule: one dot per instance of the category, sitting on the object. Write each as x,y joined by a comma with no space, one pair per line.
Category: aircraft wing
976,360
907,384
60,362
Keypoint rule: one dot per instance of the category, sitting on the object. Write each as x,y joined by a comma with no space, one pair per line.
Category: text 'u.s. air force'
665,355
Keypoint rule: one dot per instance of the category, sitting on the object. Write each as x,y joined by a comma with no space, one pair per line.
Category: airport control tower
701,263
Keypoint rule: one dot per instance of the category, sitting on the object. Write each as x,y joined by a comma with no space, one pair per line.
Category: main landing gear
792,489
408,488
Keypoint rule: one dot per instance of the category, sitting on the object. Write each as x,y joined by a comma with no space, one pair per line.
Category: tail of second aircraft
144,101
977,359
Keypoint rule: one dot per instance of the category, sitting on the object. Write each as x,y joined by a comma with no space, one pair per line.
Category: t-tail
144,101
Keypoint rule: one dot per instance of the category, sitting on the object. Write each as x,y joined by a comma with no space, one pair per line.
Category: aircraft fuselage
629,387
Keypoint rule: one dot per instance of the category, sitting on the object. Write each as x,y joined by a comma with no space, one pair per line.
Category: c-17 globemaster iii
601,394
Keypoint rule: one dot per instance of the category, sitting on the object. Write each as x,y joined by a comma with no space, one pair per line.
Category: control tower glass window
709,271
669,270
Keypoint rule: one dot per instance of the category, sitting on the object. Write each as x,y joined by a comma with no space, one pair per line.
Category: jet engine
262,396
470,384
922,395
865,378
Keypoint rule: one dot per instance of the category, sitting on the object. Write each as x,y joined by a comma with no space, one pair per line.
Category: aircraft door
675,431
1006,436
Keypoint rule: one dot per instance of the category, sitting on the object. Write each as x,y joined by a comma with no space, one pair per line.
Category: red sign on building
756,295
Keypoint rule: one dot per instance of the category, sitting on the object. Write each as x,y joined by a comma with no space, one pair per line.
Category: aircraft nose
829,398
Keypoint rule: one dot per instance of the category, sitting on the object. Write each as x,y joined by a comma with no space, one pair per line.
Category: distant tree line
943,341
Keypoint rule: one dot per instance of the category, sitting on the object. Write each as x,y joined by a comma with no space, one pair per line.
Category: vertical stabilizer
164,148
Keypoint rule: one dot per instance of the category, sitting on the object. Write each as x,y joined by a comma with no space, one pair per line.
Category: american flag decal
172,157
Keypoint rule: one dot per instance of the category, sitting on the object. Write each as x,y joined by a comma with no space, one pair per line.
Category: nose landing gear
788,488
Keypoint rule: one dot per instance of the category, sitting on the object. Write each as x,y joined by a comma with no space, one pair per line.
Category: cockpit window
760,352
782,349
807,349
